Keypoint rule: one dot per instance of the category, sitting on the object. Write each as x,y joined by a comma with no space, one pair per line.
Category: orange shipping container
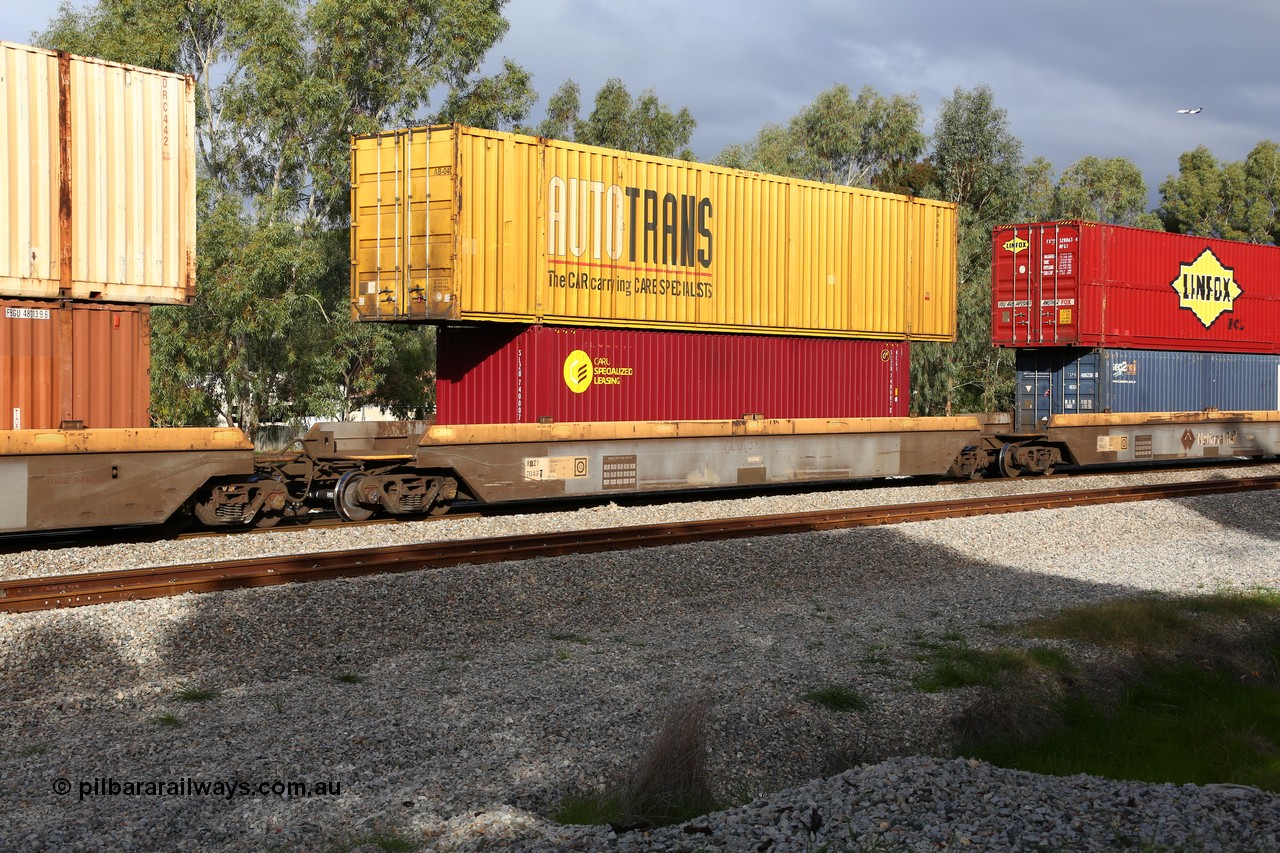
73,361
453,223
97,179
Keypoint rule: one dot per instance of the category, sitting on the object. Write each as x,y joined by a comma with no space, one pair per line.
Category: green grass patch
171,720
836,697
1181,723
1150,624
348,678
1189,693
954,665
196,694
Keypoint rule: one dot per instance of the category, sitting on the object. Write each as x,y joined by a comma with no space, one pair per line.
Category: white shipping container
97,179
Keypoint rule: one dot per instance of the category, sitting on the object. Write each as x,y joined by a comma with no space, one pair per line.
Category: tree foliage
867,141
1104,190
1036,191
617,120
978,165
1235,201
281,86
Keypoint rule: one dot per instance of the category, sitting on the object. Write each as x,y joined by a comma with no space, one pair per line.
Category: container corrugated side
1053,381
1085,284
97,177
457,224
72,361
504,373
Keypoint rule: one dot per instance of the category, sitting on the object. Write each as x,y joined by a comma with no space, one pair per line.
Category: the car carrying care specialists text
665,240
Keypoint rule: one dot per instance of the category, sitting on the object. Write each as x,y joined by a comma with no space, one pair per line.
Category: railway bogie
258,500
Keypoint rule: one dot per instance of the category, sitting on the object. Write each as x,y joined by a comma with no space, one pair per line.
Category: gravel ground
453,708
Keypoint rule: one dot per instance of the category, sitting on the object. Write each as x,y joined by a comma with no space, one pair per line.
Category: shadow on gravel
434,693
549,674
59,656
1254,513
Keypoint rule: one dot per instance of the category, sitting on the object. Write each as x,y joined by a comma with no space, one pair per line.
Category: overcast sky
1079,78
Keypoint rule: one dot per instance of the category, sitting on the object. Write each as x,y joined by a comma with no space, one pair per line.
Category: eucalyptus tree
1036,191
1107,190
281,85
1262,184
642,123
563,107
864,141
1195,201
978,165
1236,201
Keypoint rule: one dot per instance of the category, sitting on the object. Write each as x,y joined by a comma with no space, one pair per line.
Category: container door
1079,387
1035,272
389,204
1032,391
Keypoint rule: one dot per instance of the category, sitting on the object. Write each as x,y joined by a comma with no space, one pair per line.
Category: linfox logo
1206,288
594,221
1016,245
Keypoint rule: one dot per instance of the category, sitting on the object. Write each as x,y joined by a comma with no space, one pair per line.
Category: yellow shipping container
456,224
97,179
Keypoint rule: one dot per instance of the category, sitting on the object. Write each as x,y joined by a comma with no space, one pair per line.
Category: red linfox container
499,373
72,361
1084,284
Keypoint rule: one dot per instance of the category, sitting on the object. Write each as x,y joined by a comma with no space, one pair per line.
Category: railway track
48,593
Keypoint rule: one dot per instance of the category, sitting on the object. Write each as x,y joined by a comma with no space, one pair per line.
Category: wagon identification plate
1113,443
555,467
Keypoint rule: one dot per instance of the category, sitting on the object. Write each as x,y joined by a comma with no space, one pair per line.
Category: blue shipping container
1094,381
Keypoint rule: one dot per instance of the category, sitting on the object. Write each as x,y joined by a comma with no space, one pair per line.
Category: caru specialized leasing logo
578,371
1206,288
582,370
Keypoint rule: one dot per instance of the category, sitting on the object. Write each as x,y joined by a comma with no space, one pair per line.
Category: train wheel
345,499
1008,468
266,519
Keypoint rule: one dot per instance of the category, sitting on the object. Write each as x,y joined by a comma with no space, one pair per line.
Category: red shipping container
1090,285
73,361
498,373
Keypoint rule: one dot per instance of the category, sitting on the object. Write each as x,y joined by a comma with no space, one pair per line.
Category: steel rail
48,593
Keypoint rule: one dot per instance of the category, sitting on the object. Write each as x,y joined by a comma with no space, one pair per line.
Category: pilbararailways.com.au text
228,789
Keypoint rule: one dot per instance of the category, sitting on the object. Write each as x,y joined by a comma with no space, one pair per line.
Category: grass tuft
669,784
171,720
836,697
196,694
348,678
